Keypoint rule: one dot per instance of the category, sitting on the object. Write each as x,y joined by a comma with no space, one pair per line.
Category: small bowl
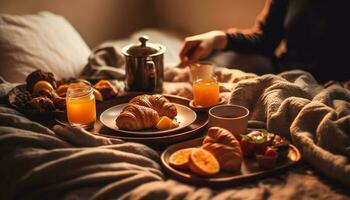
234,118
266,162
202,108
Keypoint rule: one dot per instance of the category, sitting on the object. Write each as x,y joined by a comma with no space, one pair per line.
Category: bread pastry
225,147
136,117
157,102
144,111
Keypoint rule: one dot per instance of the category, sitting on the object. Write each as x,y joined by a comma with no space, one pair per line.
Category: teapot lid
144,48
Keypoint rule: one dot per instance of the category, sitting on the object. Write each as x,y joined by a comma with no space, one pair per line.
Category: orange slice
166,123
62,89
180,158
203,163
42,85
98,95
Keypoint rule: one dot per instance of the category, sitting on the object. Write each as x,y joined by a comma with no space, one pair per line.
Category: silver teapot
144,66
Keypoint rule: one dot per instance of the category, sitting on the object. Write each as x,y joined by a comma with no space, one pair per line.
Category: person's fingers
200,52
183,62
187,47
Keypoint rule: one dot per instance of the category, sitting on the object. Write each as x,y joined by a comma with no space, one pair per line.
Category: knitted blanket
39,163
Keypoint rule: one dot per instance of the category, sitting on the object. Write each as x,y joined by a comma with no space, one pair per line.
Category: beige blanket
316,119
293,104
38,163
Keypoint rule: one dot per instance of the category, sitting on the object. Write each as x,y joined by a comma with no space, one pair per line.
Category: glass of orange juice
205,86
201,70
81,105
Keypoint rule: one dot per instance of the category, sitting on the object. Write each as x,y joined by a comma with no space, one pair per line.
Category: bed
40,162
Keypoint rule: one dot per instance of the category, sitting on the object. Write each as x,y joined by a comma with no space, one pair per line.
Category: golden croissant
225,147
157,102
136,117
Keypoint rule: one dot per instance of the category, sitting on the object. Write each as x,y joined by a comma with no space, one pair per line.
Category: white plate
185,116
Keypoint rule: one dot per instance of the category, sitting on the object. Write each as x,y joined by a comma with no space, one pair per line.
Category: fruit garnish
180,158
41,86
203,163
247,148
102,83
270,152
256,136
258,140
280,142
62,89
267,160
98,95
106,88
39,75
166,123
281,145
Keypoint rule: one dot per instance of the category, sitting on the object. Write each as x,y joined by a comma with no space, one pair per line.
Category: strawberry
260,148
270,152
247,148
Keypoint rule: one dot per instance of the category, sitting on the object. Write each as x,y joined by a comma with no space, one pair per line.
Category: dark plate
20,89
249,170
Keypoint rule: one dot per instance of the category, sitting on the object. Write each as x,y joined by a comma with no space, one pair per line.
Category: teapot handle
152,74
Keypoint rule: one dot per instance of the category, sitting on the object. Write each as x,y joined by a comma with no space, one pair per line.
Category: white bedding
43,41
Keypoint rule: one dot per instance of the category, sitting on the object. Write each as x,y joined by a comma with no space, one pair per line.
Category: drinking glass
205,86
81,105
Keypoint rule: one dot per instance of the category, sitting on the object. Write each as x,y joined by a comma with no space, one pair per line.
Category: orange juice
206,92
81,111
81,106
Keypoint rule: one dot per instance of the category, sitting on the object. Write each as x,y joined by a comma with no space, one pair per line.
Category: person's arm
265,36
200,46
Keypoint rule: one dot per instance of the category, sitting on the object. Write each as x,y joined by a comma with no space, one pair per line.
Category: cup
233,118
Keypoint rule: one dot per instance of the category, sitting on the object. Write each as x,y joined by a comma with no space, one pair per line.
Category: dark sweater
316,38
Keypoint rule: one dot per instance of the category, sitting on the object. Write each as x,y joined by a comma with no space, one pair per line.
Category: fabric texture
40,163
43,41
317,120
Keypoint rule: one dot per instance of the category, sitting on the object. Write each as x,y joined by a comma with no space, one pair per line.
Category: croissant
157,102
136,117
225,147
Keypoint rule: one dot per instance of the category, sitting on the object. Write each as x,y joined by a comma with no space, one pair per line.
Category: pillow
44,41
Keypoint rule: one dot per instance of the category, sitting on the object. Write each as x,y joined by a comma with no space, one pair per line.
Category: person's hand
200,46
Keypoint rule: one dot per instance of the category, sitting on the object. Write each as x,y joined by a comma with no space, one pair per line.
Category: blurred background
100,20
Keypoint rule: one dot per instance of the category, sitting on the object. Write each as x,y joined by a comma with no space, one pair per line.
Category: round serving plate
249,170
185,117
195,129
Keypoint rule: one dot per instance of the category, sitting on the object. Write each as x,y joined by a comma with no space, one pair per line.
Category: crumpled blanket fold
64,163
295,106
